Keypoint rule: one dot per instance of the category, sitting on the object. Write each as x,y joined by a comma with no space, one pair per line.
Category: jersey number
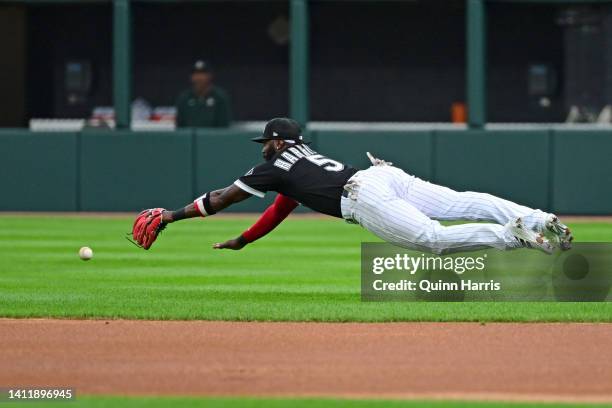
325,162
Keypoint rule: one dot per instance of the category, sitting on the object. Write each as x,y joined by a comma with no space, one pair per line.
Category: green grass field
131,402
306,270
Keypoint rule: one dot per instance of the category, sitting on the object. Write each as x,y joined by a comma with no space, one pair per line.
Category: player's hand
147,227
234,244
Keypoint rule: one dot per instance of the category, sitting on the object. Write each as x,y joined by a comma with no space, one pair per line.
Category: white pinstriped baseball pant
404,210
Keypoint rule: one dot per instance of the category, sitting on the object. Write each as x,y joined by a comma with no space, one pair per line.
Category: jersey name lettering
290,158
281,164
293,154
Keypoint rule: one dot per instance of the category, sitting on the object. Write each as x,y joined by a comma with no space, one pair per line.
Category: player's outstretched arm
151,222
274,215
208,204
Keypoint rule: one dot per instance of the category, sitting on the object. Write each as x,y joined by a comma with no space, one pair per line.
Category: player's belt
350,188
349,219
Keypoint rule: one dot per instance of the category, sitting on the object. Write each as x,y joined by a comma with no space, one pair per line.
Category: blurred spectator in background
204,105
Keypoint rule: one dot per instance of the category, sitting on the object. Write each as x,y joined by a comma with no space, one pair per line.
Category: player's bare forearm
189,211
218,200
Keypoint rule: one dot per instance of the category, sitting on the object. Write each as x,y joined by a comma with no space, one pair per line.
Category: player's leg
443,203
399,223
378,209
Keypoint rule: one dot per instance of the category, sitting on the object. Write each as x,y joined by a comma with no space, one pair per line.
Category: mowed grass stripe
306,270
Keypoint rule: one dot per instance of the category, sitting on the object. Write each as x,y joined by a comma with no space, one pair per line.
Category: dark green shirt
212,110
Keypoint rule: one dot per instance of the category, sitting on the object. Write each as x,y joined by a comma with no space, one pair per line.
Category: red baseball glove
147,227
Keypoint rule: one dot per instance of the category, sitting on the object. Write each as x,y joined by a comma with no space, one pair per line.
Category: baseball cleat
560,232
528,238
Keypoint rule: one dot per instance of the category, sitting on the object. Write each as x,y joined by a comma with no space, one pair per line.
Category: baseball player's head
201,76
279,134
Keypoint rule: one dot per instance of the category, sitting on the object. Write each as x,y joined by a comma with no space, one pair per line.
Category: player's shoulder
263,167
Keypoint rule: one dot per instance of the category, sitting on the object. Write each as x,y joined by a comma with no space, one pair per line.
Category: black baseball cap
281,129
202,66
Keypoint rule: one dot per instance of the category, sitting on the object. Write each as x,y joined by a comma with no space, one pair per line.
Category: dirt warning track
442,360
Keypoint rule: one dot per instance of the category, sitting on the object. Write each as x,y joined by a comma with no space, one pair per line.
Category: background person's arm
180,112
223,114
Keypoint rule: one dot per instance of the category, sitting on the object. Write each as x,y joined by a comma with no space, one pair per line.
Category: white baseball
85,253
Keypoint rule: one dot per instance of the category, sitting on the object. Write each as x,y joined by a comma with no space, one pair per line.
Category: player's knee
436,240
428,237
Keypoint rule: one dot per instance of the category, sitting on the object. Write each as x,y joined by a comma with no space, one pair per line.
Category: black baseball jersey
300,173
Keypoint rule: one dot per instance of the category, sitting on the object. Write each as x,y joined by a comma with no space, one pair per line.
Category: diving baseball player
397,207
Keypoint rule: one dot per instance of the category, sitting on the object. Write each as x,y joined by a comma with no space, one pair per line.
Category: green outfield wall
39,171
560,170
512,165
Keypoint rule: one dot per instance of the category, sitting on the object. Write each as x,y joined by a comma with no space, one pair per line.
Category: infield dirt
559,361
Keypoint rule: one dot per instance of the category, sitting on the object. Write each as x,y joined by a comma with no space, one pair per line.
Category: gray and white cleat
560,232
529,238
